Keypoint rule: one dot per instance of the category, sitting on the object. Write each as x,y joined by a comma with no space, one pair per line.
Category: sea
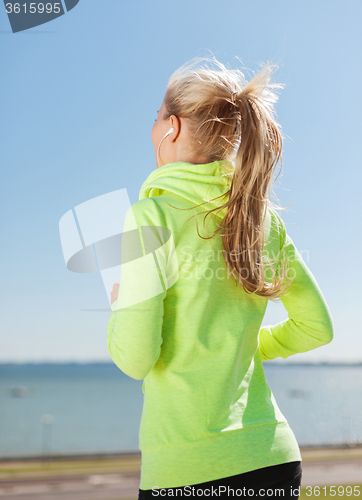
66,409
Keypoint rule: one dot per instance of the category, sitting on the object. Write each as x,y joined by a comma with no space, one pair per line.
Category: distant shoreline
110,363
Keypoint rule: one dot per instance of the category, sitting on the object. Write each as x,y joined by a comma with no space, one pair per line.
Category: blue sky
79,96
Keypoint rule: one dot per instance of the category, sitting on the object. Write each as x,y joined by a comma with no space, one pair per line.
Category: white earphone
168,133
158,149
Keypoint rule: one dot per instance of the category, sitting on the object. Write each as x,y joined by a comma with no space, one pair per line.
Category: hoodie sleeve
309,324
135,325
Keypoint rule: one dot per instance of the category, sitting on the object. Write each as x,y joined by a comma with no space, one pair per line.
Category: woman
187,314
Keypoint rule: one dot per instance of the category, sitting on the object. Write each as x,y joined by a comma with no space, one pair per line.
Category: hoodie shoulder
145,212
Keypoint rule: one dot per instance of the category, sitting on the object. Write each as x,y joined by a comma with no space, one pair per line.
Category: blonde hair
231,119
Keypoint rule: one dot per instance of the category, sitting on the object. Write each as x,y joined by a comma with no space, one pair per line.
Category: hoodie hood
196,183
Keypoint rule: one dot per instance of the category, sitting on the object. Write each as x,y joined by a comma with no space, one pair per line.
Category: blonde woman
192,329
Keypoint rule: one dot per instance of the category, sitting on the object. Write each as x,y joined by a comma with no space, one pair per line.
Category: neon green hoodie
183,325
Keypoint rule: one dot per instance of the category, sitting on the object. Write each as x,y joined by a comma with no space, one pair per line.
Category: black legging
277,481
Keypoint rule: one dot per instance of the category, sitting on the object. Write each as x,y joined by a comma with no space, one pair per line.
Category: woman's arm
309,324
135,325
135,337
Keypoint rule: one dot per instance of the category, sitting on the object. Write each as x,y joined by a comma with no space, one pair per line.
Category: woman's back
196,343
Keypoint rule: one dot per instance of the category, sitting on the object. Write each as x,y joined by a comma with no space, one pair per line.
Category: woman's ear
176,124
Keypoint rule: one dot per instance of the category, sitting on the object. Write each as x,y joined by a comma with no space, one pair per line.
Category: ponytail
258,154
234,120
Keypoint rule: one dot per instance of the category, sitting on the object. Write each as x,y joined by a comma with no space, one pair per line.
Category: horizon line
106,362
